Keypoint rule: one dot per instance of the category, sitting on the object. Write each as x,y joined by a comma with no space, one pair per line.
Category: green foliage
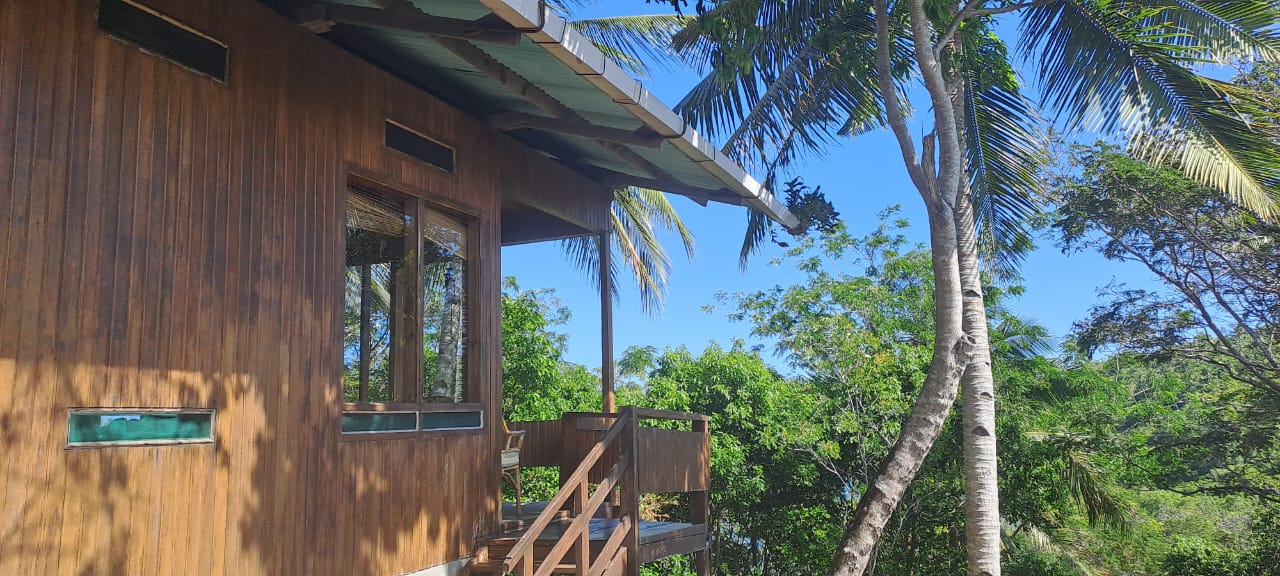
537,384
1108,467
1203,362
1193,557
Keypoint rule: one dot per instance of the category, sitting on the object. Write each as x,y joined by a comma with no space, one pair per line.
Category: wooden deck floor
657,539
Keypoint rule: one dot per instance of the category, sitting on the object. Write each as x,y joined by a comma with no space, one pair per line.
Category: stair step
492,568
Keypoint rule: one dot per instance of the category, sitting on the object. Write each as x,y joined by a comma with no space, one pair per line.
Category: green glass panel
379,422
84,427
450,420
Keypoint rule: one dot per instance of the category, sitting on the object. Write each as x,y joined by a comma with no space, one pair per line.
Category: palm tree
636,217
640,44
788,77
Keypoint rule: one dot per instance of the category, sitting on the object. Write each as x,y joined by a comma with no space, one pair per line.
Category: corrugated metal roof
565,65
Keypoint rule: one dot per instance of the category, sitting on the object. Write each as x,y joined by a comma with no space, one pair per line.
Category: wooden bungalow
249,287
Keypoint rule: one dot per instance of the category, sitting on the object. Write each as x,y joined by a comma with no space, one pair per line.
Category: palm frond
1221,31
807,75
584,253
638,43
1087,488
1067,543
637,216
1020,339
1005,155
1097,57
757,232
641,252
658,209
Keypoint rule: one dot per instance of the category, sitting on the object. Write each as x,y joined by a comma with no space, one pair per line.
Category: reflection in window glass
444,305
450,420
375,251
357,422
88,427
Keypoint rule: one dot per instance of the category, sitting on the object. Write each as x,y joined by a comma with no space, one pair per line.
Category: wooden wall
170,241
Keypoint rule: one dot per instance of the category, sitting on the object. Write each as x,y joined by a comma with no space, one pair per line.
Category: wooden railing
640,460
520,559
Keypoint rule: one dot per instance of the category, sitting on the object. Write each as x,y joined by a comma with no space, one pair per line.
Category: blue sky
860,175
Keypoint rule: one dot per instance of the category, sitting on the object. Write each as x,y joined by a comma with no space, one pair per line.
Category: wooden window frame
407,377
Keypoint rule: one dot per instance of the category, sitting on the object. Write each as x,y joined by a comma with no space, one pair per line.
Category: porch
594,525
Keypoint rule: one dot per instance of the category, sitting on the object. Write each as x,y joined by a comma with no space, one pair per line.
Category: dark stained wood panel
673,460
170,241
541,442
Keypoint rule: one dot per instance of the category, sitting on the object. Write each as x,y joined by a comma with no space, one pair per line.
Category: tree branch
892,108
950,159
972,10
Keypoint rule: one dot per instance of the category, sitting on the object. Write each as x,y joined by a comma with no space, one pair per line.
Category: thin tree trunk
951,347
950,355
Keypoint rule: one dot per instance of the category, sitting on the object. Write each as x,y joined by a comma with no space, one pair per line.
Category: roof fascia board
577,52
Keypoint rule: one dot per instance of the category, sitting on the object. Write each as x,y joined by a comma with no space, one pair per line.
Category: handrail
583,521
623,546
655,414
522,551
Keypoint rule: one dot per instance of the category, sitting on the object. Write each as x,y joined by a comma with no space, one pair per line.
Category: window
405,315
408,142
444,305
376,284
163,36
88,427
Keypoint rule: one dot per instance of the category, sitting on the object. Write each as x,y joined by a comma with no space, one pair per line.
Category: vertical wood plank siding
673,460
170,241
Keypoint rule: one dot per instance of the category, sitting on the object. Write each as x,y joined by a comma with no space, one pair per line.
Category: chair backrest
515,440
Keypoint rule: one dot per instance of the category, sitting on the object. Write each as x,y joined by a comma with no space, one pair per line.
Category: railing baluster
584,539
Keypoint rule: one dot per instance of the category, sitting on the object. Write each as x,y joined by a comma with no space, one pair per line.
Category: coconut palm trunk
977,384
977,388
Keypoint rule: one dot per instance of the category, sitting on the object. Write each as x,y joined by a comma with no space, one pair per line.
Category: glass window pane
355,422
375,250
113,426
444,309
450,420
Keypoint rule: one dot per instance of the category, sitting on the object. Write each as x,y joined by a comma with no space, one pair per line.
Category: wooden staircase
576,532
492,553
569,515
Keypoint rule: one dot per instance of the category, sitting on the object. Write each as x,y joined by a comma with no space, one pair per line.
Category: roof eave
576,51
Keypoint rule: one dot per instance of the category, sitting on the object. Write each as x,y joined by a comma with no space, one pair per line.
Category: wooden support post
700,513
606,322
631,490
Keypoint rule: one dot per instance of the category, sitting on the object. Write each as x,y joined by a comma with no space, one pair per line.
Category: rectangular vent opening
111,427
406,141
164,37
